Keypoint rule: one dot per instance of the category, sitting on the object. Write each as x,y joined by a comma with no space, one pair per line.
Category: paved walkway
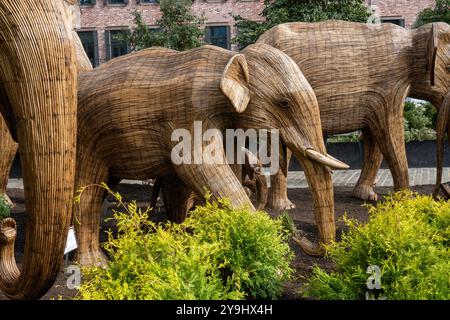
347,178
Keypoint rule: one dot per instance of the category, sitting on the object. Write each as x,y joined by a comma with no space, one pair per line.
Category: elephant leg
372,161
391,141
88,212
178,198
8,149
278,199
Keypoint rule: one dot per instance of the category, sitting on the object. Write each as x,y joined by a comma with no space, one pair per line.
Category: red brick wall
405,9
217,12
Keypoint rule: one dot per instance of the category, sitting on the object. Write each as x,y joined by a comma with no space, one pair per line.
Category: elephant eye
284,104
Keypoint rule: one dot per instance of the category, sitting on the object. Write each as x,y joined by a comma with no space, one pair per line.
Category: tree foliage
281,11
178,28
440,13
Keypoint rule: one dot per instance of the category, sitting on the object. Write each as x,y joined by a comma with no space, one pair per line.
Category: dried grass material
38,85
8,145
361,75
8,148
130,106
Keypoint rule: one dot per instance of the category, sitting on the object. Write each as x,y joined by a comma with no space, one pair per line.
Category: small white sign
71,243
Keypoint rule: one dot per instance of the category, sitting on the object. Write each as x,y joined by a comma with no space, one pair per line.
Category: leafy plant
407,236
280,11
351,137
178,28
440,13
217,253
419,121
5,209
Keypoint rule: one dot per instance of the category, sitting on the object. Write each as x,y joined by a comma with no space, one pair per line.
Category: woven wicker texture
251,175
361,75
38,85
129,107
9,146
177,204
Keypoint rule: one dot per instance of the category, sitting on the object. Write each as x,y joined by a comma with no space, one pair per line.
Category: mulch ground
303,217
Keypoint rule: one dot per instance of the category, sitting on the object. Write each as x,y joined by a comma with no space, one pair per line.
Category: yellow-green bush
217,253
407,236
5,210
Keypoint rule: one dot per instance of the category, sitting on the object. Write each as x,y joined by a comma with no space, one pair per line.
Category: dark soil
303,217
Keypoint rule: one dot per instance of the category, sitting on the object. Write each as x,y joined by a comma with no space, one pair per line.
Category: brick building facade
402,11
101,19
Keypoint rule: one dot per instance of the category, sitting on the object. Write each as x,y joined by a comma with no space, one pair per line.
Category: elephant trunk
321,185
40,84
443,126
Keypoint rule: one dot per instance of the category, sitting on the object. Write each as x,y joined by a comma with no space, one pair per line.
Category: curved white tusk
327,160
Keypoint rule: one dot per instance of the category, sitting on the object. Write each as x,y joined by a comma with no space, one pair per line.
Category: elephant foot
364,192
279,205
8,201
93,258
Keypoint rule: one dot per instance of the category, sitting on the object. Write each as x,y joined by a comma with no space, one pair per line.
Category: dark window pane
87,2
149,1
218,36
89,43
118,47
116,1
399,22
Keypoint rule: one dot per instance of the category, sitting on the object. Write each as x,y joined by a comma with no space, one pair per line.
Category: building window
115,47
90,45
398,21
147,1
218,36
86,2
116,2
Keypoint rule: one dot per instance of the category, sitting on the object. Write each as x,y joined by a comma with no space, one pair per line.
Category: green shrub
217,253
419,121
5,210
254,254
407,236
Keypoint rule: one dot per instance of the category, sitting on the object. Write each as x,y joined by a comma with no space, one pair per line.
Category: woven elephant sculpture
130,107
9,146
361,75
38,101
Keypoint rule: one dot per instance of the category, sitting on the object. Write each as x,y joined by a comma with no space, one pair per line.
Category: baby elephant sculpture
130,107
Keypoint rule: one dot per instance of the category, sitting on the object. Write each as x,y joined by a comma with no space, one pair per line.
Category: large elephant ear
432,44
235,82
